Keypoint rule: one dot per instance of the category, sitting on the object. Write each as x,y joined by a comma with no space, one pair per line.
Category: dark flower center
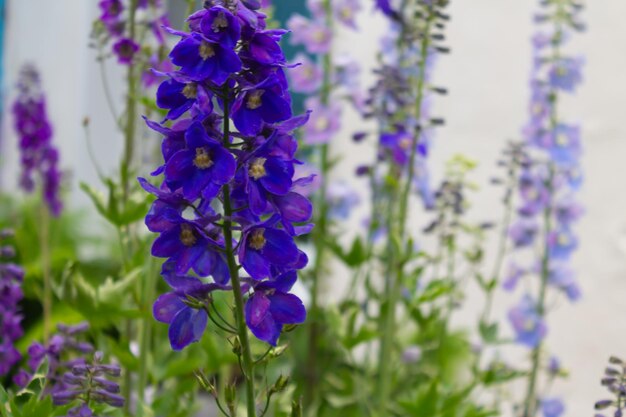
257,240
190,91
202,159
127,50
219,23
254,100
206,50
257,168
187,236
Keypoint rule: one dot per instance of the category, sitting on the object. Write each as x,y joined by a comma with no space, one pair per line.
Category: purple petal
187,327
166,307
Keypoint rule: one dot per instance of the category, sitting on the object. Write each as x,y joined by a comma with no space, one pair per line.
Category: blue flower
264,102
200,168
201,59
552,407
187,323
271,306
220,26
527,323
265,247
565,74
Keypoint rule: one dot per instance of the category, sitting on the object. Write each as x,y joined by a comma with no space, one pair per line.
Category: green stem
502,246
146,333
131,109
125,169
247,364
45,266
394,282
530,403
319,235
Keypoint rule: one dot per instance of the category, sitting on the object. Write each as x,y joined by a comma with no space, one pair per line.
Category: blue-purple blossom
11,277
324,122
313,34
271,306
89,382
565,74
39,158
307,76
125,50
527,322
552,407
230,72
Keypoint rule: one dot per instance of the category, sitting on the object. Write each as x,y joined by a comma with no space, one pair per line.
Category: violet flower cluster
614,380
227,201
316,34
547,186
90,383
38,156
548,208
64,350
11,277
401,100
114,16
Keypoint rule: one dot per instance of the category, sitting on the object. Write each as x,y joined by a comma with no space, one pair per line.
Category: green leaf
97,198
434,290
489,332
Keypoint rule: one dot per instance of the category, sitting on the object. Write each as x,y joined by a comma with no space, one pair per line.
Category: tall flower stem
126,164
145,341
530,403
502,246
131,109
242,331
44,243
393,288
319,234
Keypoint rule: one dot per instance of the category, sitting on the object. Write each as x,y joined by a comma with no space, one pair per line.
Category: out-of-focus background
487,75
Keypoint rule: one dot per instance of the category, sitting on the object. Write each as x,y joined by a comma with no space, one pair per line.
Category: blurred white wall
487,75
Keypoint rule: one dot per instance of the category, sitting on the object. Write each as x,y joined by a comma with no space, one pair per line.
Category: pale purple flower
323,123
527,323
565,74
306,77
346,11
314,35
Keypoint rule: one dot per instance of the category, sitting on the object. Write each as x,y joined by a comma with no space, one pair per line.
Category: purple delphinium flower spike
11,277
39,158
64,352
613,379
229,195
89,382
547,186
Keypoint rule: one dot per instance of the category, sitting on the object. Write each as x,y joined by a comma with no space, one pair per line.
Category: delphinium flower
327,76
400,102
226,211
548,208
614,379
62,351
121,35
88,384
11,277
39,158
